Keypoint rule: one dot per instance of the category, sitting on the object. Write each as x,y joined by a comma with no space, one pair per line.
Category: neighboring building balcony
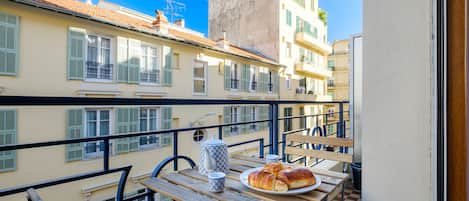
310,70
314,43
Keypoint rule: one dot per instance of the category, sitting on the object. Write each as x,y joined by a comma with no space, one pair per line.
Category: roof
102,15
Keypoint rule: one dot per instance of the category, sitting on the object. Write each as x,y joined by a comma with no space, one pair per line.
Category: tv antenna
174,9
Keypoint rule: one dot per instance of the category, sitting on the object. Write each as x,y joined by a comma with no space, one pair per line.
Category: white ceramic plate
244,180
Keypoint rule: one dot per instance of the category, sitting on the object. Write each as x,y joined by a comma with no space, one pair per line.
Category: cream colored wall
398,102
42,72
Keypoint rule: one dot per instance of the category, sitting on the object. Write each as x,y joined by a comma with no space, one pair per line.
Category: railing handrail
87,101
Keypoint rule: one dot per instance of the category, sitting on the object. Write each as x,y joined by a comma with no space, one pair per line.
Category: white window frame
234,68
253,77
98,153
159,63
205,67
288,82
158,126
111,58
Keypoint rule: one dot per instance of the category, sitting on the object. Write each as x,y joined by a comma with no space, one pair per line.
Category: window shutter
167,67
134,61
76,53
166,123
275,80
8,136
248,117
122,59
243,119
8,44
247,76
75,130
122,126
134,126
227,74
226,120
262,82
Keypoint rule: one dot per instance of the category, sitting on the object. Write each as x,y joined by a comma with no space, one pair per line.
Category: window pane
199,86
105,43
199,72
3,37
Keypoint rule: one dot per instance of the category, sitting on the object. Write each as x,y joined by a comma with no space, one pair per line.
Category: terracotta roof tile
109,15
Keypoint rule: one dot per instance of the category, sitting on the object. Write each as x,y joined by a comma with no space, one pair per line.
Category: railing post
220,132
284,145
273,129
106,155
341,120
261,148
175,150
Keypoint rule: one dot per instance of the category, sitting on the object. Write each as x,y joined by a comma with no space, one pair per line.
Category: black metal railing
234,83
273,124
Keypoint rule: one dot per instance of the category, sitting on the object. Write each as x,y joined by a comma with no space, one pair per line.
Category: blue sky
344,16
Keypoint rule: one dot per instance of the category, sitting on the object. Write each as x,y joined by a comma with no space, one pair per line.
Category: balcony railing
95,70
234,83
273,138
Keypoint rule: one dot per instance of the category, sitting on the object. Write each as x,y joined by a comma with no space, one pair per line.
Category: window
149,118
98,62
8,44
252,79
97,124
235,118
149,65
288,16
200,78
7,136
302,119
331,64
288,50
176,60
287,123
288,82
234,76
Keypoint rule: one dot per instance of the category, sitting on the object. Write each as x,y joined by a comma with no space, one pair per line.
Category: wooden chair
31,195
323,154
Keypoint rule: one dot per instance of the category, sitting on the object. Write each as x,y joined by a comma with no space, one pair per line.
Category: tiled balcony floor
350,194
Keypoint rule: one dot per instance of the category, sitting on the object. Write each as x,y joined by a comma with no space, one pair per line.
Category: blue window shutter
9,25
167,66
134,61
75,130
166,123
227,74
122,59
122,126
7,136
76,53
134,126
226,120
275,82
243,119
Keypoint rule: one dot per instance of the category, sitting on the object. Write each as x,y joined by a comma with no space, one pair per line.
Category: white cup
271,158
216,181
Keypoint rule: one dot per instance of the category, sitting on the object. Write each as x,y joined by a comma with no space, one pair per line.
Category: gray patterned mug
216,181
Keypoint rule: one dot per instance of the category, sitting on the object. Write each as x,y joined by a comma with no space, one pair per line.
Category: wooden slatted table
188,184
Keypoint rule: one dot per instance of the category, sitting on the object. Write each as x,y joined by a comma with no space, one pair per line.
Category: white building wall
397,100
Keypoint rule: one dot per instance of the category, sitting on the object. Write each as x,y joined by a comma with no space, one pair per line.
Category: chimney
180,23
223,43
161,22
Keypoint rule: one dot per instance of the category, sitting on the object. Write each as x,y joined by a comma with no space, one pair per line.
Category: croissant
273,168
297,178
267,181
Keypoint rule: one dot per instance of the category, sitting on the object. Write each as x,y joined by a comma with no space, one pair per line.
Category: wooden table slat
202,187
245,163
173,191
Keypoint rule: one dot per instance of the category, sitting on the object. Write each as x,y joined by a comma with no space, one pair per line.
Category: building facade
68,48
293,35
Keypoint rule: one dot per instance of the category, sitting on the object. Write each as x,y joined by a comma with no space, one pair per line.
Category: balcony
274,141
310,70
305,39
